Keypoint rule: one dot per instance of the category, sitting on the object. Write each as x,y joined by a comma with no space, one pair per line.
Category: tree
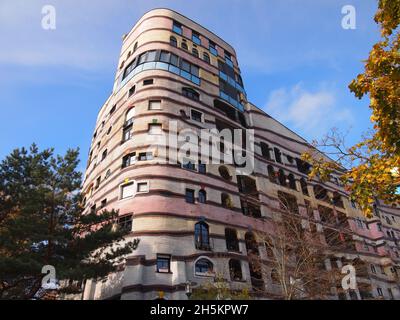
372,165
41,223
218,289
298,255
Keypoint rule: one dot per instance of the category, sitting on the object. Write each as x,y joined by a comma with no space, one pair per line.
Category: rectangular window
155,105
185,66
213,49
196,116
202,168
142,187
380,292
174,60
151,56
125,223
196,38
93,209
148,82
127,190
189,196
128,160
103,203
164,56
126,134
155,129
145,156
177,28
163,263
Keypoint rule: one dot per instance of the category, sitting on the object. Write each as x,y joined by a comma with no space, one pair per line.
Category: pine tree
41,223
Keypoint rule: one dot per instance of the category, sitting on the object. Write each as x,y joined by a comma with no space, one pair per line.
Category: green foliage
41,224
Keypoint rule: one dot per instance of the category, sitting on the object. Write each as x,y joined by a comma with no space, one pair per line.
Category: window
265,151
278,155
184,45
128,160
232,242
188,164
226,201
108,174
282,177
202,196
202,168
195,52
135,46
148,82
142,187
380,292
196,38
173,42
204,267
109,130
113,109
250,209
271,174
202,236
155,105
191,94
360,223
125,223
292,182
189,196
93,209
129,116
196,115
213,49
235,270
303,185
177,28
163,263
104,155
103,203
155,129
224,172
132,91
127,190
144,156
98,180
126,133
206,57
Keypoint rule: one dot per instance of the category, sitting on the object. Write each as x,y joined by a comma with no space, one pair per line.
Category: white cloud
312,113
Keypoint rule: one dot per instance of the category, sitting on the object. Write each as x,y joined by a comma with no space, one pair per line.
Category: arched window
202,196
271,174
195,52
282,178
191,94
292,182
235,270
224,172
184,46
278,155
303,185
226,201
232,242
204,267
173,42
129,116
202,236
206,57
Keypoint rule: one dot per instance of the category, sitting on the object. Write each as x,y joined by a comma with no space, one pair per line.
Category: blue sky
295,57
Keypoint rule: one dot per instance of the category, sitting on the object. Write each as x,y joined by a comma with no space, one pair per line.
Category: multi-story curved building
195,220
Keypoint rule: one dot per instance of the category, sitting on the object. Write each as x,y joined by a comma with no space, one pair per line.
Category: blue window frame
213,49
177,28
196,38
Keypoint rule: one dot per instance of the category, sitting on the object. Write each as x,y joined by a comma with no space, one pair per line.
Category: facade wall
161,217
